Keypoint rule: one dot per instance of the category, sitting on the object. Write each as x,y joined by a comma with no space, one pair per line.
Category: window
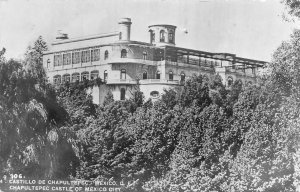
75,77
145,55
57,60
162,36
123,74
57,79
157,75
145,75
76,57
229,81
171,37
253,70
94,74
95,55
153,37
120,35
122,97
171,76
106,55
154,94
123,53
182,77
48,63
105,75
85,56
67,59
84,76
66,78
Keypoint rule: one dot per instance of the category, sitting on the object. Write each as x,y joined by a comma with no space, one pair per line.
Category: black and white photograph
149,96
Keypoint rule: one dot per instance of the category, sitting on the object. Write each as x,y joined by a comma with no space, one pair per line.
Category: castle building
126,65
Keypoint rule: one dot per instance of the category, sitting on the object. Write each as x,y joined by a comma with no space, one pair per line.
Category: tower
161,35
125,25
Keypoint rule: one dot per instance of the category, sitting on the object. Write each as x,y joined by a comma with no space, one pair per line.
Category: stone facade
127,65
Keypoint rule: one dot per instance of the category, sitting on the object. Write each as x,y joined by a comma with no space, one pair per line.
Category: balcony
121,82
240,71
207,65
159,81
131,60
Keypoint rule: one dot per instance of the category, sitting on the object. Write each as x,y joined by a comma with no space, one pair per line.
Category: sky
247,28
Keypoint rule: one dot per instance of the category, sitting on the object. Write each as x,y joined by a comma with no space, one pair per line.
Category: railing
208,64
247,72
159,81
131,60
121,81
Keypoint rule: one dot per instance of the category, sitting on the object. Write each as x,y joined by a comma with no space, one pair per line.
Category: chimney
61,36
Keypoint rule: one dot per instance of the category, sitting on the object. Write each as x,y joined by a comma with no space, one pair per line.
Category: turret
161,35
125,25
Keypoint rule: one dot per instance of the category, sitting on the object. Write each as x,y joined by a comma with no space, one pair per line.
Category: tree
30,119
293,7
34,60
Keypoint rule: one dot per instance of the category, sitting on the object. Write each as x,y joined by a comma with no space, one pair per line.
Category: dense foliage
198,137
30,117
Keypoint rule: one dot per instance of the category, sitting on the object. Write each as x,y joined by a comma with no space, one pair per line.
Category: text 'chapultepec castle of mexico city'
125,64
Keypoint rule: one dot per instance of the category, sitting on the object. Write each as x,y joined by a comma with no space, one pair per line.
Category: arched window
152,36
105,75
171,76
123,53
145,75
122,97
48,63
145,55
123,74
182,77
66,78
157,75
171,37
229,81
84,76
106,55
94,74
162,36
75,77
57,79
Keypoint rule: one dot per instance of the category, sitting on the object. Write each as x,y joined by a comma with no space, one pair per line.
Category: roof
162,25
85,38
219,56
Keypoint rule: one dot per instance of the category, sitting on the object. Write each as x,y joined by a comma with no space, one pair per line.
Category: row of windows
85,56
124,54
95,74
77,57
162,36
171,76
57,79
